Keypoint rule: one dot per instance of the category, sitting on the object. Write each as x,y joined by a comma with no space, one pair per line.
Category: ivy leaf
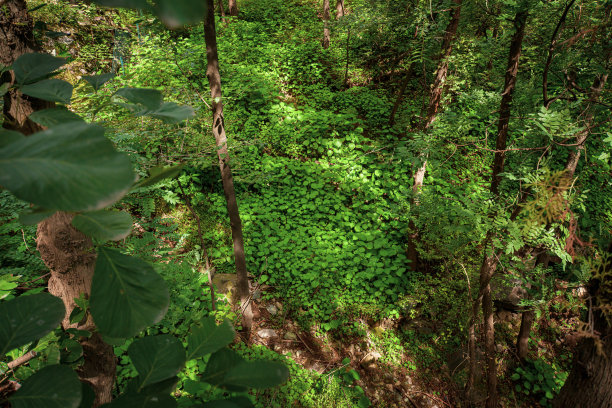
209,338
127,295
54,386
55,116
70,167
104,225
157,358
177,13
157,174
28,318
54,90
96,81
170,112
33,67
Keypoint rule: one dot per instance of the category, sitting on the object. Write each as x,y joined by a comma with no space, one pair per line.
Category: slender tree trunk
221,9
65,250
489,263
326,35
400,95
581,137
504,110
339,9
432,111
214,79
233,8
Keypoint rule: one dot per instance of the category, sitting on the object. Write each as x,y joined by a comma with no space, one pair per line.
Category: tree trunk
590,381
326,37
400,95
594,93
66,251
214,79
233,8
504,110
339,9
436,90
16,39
489,263
221,9
70,256
432,111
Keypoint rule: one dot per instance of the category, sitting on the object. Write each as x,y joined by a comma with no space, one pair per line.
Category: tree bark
221,9
66,251
489,263
326,35
581,137
589,384
436,90
504,110
214,79
339,9
432,111
16,39
69,254
233,8
400,95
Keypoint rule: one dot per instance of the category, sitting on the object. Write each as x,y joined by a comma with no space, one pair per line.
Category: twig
21,360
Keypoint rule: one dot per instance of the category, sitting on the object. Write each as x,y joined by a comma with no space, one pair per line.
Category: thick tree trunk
326,35
504,110
590,381
214,79
233,8
16,39
66,251
339,9
70,256
221,9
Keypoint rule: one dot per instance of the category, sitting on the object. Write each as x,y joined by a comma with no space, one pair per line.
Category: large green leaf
88,396
96,81
28,318
54,90
157,358
142,401
127,295
228,370
34,216
32,67
219,364
70,167
235,402
208,337
170,112
54,386
104,225
9,136
176,13
157,174
55,116
143,100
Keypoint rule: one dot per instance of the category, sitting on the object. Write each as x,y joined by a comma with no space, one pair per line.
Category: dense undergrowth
324,187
